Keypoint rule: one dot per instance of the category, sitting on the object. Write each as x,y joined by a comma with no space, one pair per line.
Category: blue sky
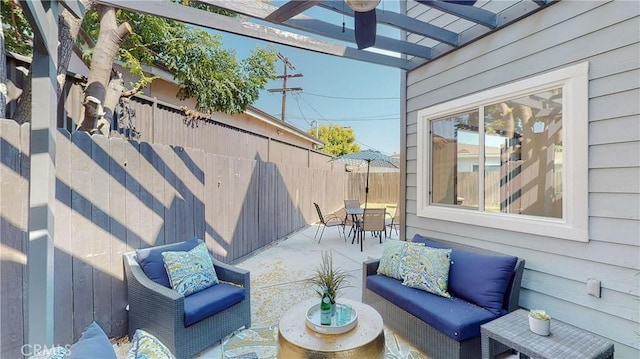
336,90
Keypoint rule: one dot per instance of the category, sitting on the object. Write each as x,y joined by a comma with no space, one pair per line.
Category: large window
501,158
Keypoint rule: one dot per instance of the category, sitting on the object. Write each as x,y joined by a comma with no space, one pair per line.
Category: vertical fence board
147,234
181,210
100,243
185,186
118,230
266,206
157,193
166,155
63,255
224,206
210,189
132,194
198,169
82,232
12,269
250,175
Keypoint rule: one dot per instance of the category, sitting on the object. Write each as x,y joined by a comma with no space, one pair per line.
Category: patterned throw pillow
146,346
428,269
392,259
191,271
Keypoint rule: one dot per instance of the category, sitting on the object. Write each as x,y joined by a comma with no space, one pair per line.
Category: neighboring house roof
252,111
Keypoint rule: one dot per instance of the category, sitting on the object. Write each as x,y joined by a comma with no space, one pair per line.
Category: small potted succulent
539,322
333,278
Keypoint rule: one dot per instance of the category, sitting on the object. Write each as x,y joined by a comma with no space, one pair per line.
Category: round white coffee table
365,340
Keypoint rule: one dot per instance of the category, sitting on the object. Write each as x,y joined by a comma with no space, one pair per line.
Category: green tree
214,76
338,140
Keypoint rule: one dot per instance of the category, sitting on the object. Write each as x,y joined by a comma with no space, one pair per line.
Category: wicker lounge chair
161,311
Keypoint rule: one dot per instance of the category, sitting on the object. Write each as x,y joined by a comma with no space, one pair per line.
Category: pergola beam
402,22
289,10
76,7
474,14
213,21
261,11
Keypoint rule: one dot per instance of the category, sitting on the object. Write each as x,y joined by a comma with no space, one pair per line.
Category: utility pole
284,77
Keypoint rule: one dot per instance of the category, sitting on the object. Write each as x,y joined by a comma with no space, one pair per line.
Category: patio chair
393,221
352,203
185,325
331,220
373,221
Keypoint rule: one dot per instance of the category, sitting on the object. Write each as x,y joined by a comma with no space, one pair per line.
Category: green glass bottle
325,308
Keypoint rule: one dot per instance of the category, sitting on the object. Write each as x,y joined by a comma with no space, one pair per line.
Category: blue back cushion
93,343
454,317
152,263
478,278
207,302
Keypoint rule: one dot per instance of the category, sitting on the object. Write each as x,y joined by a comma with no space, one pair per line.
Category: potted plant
539,322
326,275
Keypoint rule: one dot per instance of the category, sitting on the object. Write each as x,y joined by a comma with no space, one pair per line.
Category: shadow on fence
113,196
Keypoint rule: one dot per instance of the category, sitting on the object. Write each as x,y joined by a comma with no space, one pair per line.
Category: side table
565,341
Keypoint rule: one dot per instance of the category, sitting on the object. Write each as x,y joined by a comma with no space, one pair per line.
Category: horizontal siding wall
606,34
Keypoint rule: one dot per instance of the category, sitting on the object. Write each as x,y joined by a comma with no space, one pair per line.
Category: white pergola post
43,16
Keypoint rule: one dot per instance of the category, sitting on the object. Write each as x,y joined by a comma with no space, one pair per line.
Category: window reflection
523,164
522,157
454,155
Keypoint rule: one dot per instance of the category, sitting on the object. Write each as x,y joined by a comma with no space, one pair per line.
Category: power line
352,98
358,119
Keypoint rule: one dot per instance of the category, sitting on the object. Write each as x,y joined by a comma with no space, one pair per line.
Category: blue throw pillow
93,343
481,279
477,278
152,263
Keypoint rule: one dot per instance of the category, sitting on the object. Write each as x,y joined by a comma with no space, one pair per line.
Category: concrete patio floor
279,270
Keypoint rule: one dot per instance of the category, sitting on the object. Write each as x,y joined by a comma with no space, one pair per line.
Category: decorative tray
344,319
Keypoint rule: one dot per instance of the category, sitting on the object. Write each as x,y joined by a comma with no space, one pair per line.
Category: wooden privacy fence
114,196
384,187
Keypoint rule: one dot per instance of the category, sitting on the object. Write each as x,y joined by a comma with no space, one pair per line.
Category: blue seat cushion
207,302
478,278
454,317
152,263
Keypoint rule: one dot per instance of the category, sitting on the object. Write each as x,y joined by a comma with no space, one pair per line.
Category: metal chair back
351,203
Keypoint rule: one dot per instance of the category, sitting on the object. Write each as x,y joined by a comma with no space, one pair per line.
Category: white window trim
574,223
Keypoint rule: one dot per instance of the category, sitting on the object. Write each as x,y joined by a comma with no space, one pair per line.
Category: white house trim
574,222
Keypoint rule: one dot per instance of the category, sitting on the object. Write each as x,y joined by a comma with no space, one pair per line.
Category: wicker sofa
160,310
442,327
